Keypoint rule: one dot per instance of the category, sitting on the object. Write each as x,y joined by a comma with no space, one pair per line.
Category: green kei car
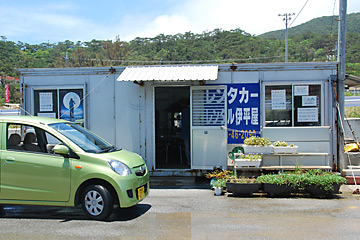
52,162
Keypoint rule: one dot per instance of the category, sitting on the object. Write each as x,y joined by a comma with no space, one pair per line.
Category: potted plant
248,160
255,144
242,186
284,147
278,185
218,174
218,185
319,183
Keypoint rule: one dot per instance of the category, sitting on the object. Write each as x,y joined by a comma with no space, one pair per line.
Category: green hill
312,41
321,25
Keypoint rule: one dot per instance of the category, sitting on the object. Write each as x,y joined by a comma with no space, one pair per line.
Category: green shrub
219,182
352,112
324,181
301,179
254,140
278,179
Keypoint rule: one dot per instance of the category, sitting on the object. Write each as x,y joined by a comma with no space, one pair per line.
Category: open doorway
172,127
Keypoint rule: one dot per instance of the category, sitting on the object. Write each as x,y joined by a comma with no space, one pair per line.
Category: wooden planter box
242,189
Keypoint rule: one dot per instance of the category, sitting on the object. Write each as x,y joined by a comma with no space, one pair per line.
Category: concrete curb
349,189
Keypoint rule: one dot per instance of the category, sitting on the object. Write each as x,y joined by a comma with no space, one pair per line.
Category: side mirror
62,150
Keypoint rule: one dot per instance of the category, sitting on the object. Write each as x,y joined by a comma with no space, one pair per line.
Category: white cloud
52,23
61,20
254,17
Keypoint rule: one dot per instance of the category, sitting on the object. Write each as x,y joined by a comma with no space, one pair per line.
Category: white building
185,119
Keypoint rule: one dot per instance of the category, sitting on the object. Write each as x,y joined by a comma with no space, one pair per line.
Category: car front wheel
97,202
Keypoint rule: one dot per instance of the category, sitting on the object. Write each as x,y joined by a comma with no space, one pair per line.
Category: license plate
141,192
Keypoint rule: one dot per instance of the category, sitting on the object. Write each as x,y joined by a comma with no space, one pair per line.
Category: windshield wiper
109,149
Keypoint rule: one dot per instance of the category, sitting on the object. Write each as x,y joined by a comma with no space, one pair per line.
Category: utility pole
341,80
67,59
286,19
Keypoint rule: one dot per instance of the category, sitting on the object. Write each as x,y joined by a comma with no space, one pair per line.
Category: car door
29,170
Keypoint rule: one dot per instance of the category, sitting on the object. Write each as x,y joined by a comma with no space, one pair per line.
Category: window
67,104
278,106
45,103
85,139
22,137
292,105
307,105
28,138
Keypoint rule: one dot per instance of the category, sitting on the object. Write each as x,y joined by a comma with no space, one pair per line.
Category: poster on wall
243,111
46,101
71,105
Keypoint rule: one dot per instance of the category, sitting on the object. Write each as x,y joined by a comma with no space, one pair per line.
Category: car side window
51,142
23,137
14,137
15,140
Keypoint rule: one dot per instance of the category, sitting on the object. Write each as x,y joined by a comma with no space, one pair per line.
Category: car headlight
119,167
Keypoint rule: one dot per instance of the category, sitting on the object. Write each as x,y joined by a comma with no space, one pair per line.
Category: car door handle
10,160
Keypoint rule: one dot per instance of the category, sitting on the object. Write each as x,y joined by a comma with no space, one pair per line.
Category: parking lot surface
189,213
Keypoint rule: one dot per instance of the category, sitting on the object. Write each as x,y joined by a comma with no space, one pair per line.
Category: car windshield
85,139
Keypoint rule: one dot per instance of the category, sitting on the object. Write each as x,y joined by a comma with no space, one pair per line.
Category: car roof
31,119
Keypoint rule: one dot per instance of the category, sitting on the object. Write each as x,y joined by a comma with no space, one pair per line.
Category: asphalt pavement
352,101
189,210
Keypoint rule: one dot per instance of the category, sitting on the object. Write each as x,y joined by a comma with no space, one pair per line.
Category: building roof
170,73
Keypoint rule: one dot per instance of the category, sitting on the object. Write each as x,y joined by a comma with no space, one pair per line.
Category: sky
44,21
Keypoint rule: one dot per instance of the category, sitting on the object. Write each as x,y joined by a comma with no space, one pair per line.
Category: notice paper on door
308,114
309,101
278,99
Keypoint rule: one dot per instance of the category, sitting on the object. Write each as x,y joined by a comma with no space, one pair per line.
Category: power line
175,61
299,13
289,26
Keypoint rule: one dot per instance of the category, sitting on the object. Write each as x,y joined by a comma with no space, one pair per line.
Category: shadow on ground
69,214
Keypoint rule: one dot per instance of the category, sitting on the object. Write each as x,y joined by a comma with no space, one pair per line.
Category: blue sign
243,111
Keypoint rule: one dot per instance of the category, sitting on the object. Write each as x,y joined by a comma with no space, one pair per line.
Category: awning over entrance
169,73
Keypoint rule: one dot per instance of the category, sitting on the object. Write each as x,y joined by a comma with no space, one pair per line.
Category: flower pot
285,150
258,149
246,163
275,190
242,189
317,191
218,191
